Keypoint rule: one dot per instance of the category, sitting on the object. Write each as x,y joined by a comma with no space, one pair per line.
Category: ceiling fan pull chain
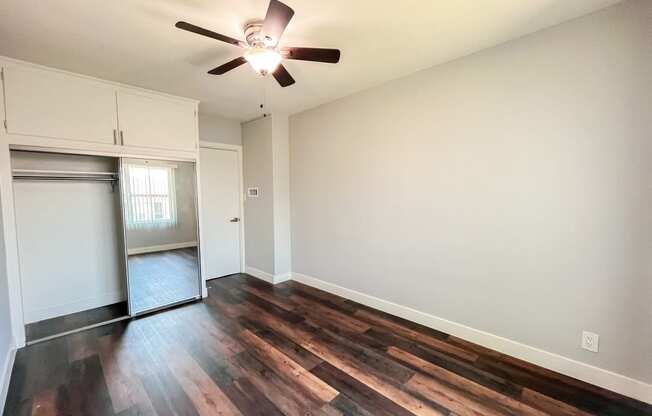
263,104
267,109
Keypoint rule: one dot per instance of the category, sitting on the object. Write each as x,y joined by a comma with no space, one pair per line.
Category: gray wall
509,191
281,177
259,212
186,229
213,128
267,218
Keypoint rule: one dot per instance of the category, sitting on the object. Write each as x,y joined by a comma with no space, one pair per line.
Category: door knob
234,219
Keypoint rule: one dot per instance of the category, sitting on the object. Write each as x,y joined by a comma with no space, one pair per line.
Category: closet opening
101,239
70,241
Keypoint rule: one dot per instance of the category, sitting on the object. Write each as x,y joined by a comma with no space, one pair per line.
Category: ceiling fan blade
205,32
223,69
283,76
277,18
329,56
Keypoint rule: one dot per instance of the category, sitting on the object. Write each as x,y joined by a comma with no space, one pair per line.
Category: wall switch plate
590,341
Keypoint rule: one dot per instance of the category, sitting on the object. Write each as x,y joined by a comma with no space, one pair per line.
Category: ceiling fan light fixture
263,60
261,47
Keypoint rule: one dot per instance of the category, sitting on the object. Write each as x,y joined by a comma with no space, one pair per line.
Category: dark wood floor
61,324
162,278
254,349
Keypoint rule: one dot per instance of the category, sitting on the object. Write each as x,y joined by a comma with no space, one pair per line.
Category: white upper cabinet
56,109
58,105
156,122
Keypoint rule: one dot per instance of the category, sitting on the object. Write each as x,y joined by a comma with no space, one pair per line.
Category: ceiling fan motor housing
255,38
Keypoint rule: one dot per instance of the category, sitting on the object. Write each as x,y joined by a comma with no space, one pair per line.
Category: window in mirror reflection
150,195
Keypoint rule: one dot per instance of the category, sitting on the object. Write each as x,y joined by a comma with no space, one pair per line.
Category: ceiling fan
262,45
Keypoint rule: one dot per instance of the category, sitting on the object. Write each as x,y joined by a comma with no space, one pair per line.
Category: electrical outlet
590,341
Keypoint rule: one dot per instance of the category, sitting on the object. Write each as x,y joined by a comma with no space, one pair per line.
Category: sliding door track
74,331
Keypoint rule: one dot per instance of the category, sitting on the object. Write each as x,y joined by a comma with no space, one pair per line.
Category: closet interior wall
70,235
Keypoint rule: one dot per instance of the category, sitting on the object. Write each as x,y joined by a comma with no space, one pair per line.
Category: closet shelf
63,175
60,172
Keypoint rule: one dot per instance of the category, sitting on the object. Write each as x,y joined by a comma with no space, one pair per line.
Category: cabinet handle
122,138
115,136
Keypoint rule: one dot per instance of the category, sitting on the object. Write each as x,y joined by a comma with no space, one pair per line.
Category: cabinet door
156,122
57,105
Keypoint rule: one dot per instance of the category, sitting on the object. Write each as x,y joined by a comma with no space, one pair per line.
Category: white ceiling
135,42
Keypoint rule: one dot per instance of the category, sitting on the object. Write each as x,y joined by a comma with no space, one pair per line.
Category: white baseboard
163,247
5,376
609,380
269,278
96,301
283,277
259,274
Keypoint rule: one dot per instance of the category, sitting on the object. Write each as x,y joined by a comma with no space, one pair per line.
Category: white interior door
221,223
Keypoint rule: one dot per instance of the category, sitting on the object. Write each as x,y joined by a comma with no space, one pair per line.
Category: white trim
10,236
162,247
153,163
5,376
198,211
238,149
267,277
44,144
220,146
607,379
200,220
243,262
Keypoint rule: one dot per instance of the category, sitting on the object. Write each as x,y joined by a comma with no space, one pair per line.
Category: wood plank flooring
164,277
61,324
256,349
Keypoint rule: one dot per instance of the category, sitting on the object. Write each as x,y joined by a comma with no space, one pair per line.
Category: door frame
238,149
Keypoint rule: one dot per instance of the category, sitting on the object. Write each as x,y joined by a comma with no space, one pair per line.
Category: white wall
213,128
7,342
509,191
69,238
185,230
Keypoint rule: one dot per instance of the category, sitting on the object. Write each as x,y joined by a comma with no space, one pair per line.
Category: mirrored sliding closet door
160,225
